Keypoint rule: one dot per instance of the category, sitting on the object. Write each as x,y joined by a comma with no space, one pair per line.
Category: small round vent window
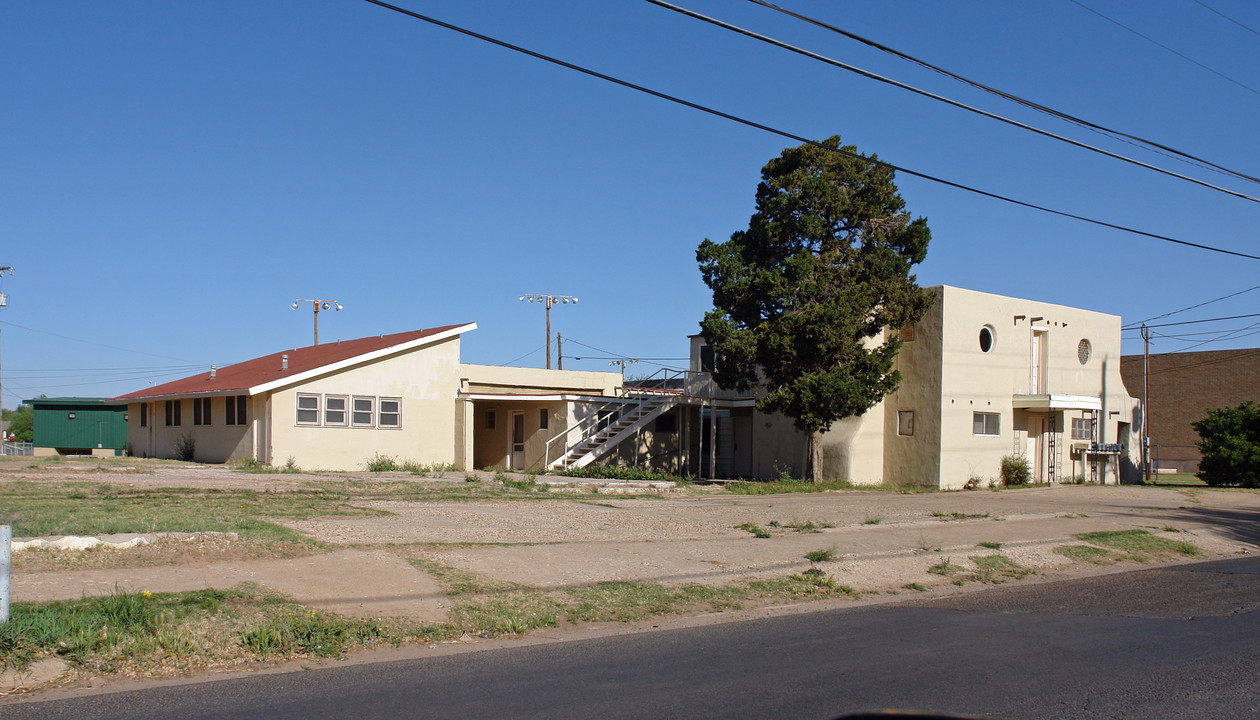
986,339
1083,351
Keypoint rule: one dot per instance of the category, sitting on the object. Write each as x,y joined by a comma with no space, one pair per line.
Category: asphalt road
1169,643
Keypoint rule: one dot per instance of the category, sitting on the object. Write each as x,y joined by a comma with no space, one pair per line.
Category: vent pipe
284,361
213,370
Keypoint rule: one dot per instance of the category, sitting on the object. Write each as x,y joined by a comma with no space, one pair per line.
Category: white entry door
1037,377
1037,446
518,440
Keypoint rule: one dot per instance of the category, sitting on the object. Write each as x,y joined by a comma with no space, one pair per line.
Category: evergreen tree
801,297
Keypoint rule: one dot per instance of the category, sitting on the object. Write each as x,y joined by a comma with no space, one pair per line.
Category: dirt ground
880,540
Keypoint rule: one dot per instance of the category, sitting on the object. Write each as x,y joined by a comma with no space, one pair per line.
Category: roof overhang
1056,401
540,397
360,359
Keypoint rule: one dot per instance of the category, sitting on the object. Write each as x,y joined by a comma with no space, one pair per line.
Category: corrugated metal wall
92,426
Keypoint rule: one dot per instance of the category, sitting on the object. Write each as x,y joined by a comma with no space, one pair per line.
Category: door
518,440
1037,446
1037,375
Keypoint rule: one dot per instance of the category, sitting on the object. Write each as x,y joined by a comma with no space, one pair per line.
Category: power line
1174,52
941,98
1218,12
91,342
522,357
1196,322
1138,141
1192,307
798,138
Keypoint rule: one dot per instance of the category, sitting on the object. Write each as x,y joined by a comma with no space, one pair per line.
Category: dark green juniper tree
798,297
1229,439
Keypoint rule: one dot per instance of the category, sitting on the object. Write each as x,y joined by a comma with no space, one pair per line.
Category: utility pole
4,302
317,305
549,300
559,353
1146,430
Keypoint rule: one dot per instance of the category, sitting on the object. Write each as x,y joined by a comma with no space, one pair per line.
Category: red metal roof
259,371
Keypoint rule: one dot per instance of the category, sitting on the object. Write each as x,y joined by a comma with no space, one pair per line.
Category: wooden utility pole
1146,428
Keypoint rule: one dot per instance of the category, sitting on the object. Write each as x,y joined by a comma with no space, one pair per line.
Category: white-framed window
363,410
983,423
335,409
389,413
307,409
1082,429
905,422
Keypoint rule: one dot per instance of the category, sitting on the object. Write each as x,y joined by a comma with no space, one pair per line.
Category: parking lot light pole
549,300
317,305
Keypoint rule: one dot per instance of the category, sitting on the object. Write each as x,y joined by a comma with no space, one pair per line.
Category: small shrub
1015,470
872,521
291,467
753,528
914,586
185,448
989,544
823,555
945,567
381,463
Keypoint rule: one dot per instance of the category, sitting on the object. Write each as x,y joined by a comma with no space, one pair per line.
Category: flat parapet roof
1056,401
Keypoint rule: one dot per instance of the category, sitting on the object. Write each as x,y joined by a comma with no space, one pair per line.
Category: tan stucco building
336,406
983,376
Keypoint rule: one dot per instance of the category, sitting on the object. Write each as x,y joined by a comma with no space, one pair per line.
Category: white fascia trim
358,359
1056,401
566,397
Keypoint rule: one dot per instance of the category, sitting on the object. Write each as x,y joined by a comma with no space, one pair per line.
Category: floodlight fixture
548,300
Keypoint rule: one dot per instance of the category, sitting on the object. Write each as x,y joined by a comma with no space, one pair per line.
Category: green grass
1086,553
1177,479
786,485
914,586
958,515
1139,545
598,471
753,528
823,555
997,569
873,521
946,568
253,467
35,509
806,526
989,544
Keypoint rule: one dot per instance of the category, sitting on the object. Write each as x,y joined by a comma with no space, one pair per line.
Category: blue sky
174,175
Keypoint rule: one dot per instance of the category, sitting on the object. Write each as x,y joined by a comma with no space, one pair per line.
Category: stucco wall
492,446
914,459
517,380
215,442
426,379
976,381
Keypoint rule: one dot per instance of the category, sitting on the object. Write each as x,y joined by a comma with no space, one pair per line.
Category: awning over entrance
1056,401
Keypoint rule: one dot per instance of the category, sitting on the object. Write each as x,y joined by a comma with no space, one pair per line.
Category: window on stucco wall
905,422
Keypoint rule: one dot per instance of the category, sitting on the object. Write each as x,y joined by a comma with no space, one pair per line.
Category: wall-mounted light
70,415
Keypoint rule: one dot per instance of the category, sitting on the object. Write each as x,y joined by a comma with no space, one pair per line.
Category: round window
986,339
1083,351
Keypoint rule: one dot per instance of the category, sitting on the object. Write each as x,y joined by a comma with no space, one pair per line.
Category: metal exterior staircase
632,418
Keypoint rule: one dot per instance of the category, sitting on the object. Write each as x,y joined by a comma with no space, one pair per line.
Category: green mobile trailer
79,426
